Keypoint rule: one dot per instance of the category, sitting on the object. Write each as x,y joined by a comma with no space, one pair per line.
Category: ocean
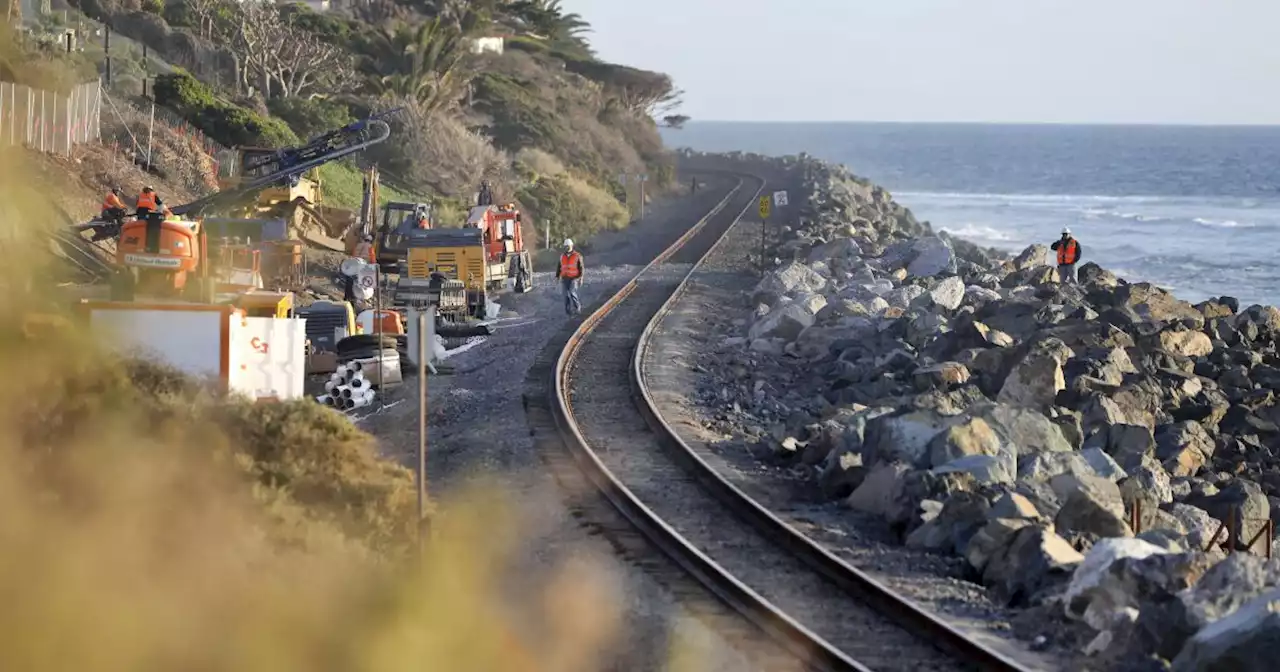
1193,209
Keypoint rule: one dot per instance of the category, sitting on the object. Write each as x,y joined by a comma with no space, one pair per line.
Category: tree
274,50
425,64
675,120
547,19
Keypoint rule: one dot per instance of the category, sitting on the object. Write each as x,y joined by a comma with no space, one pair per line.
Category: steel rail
808,647
849,578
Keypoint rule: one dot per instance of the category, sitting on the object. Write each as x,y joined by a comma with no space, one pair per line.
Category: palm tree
423,64
547,19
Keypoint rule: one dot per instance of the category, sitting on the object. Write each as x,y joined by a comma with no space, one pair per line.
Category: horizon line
1162,124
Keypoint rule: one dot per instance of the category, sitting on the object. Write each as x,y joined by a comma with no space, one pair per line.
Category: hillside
252,537
538,114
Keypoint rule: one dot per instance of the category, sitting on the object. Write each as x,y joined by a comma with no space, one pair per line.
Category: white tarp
268,357
188,340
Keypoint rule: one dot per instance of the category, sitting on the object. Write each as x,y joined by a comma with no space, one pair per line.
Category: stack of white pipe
347,389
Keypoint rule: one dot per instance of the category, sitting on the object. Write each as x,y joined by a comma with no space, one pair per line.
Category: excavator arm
282,166
291,162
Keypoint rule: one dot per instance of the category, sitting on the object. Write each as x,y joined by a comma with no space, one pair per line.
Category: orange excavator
163,258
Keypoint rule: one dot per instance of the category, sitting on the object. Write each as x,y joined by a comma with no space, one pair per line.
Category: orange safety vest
112,201
147,201
569,265
1067,252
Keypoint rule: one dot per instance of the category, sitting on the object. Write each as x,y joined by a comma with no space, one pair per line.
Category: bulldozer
474,262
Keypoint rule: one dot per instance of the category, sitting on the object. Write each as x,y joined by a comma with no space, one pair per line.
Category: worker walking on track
1069,252
570,273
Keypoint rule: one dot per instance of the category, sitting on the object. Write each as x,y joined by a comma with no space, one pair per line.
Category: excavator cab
400,222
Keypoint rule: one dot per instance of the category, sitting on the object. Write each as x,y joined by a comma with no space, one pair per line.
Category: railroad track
818,611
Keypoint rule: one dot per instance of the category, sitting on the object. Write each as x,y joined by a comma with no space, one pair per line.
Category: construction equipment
327,323
266,304
366,221
477,260
162,258
400,221
273,176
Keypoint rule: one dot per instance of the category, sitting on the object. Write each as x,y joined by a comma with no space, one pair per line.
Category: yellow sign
764,207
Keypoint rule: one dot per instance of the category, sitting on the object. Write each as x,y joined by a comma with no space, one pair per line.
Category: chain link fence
50,121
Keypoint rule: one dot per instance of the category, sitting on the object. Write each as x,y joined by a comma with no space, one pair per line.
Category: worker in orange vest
113,208
1069,251
149,202
570,273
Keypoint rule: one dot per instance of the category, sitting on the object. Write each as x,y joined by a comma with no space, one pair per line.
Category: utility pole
424,526
644,177
106,49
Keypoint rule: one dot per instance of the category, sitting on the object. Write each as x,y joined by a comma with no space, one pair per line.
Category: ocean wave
977,232
1223,223
1056,198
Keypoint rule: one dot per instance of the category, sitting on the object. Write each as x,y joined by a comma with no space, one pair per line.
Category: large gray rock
1093,595
933,255
902,297
1033,256
970,437
950,531
1199,524
875,495
1090,505
1034,559
940,375
1242,502
1034,382
1184,448
840,248
992,539
794,277
1244,641
785,322
1186,343
1025,431
905,438
1223,589
948,293
985,469
1044,466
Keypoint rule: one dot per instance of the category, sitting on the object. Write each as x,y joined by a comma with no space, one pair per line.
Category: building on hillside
494,44
317,5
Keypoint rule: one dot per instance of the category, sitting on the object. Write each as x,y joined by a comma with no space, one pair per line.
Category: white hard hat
1066,231
568,242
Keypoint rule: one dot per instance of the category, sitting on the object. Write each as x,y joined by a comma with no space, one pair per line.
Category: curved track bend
825,613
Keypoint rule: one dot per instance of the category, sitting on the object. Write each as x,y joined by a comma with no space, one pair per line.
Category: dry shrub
539,162
182,159
437,151
575,208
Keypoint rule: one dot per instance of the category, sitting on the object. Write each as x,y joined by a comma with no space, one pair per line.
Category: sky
1057,61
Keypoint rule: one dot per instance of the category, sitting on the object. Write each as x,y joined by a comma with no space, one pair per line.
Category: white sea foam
978,232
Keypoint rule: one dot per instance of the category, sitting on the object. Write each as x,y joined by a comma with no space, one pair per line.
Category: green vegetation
464,115
227,123
342,185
